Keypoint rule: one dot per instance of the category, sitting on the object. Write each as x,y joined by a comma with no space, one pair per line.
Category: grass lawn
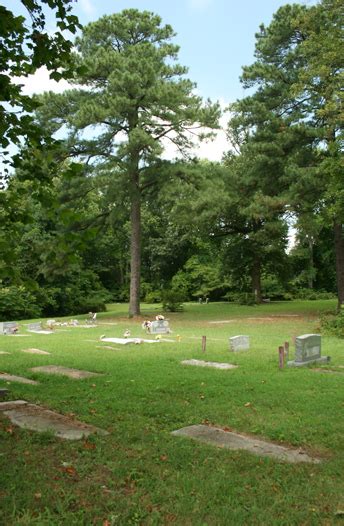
139,473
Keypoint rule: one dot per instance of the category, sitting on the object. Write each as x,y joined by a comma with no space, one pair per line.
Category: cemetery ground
140,473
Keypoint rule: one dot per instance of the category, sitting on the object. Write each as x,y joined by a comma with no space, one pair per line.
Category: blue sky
216,37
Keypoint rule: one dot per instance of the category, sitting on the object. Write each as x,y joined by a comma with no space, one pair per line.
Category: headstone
308,350
239,343
8,327
160,327
36,327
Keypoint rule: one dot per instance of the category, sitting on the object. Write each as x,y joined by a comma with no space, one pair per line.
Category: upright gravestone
239,343
308,350
160,327
8,327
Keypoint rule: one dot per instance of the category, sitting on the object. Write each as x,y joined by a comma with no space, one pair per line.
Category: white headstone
239,343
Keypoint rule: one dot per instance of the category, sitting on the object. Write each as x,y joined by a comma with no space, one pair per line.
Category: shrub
154,296
333,324
18,303
246,298
172,300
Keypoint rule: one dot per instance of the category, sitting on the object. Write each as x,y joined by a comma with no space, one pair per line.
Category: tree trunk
135,252
311,263
256,278
339,249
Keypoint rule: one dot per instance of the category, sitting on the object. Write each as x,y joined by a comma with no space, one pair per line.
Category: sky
216,38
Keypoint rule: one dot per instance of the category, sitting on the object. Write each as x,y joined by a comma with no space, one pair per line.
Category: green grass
139,473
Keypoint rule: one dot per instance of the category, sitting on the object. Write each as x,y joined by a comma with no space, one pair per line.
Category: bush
83,293
154,296
333,324
18,303
172,300
246,298
311,294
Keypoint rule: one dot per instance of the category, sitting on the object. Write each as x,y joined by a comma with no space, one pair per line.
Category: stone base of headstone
322,359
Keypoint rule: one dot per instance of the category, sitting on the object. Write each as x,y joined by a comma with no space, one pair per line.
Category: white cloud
87,7
212,150
199,4
40,82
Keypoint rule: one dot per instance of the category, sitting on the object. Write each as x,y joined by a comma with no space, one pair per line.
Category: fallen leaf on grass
163,458
248,404
9,430
89,445
38,496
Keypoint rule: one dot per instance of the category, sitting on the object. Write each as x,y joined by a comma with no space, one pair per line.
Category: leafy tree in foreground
135,99
24,49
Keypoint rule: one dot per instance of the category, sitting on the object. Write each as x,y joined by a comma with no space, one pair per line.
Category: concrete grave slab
36,418
229,440
19,379
35,351
126,341
76,374
216,322
329,371
12,404
108,347
216,365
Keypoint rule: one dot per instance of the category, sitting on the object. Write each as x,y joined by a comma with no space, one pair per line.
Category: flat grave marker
215,365
19,379
35,351
76,374
229,440
37,418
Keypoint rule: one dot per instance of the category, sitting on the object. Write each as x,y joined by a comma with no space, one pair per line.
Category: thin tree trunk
339,250
256,278
311,263
135,253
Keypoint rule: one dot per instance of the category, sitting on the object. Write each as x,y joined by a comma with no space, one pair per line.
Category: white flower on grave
159,317
126,333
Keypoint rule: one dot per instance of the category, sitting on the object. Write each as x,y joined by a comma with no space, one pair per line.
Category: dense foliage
107,218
